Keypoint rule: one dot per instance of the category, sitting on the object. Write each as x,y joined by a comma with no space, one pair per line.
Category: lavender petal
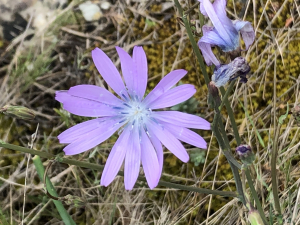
182,119
95,93
115,158
84,107
246,30
149,161
141,75
173,96
128,68
72,134
164,85
159,152
132,159
108,71
93,138
186,135
219,19
169,141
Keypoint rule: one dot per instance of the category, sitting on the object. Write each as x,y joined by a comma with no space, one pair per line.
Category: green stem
59,206
121,173
255,196
225,146
229,89
274,170
233,167
231,117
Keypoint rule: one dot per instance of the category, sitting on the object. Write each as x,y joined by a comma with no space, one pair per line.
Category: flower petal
93,138
186,135
109,72
83,107
115,158
149,161
207,53
128,68
174,96
246,30
218,20
220,7
141,76
182,119
168,140
132,159
212,37
159,152
62,96
78,130
164,85
95,93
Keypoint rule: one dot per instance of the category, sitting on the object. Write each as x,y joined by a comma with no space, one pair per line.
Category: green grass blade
59,206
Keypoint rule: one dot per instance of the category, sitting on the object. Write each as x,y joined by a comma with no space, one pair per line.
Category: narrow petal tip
61,96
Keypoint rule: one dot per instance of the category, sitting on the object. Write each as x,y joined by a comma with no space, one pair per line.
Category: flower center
137,111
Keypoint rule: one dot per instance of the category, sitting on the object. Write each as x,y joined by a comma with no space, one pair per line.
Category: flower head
227,72
143,130
225,32
245,154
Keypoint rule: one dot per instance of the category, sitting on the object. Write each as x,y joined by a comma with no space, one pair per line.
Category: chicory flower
143,130
225,32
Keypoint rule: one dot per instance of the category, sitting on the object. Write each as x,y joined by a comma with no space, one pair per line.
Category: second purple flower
224,33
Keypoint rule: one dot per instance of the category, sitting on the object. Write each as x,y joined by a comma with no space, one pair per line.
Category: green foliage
197,157
4,220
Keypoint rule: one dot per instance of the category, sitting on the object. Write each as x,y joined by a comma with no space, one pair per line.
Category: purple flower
225,32
143,130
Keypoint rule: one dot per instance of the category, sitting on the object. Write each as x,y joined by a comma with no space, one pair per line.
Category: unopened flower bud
231,71
19,112
73,200
245,153
254,217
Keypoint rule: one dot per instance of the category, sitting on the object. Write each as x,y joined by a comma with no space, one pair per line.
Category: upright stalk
231,117
274,171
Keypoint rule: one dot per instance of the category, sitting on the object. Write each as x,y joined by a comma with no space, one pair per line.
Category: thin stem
121,173
192,8
231,117
227,149
274,170
229,89
67,219
238,183
255,196
233,167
